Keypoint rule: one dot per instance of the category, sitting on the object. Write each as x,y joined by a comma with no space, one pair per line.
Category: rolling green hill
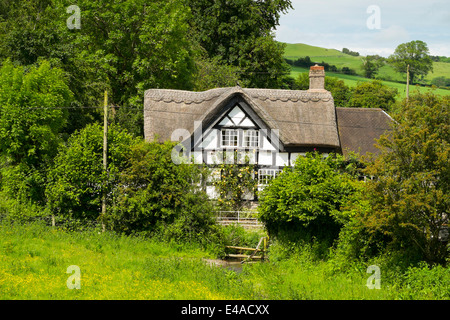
340,60
298,50
318,54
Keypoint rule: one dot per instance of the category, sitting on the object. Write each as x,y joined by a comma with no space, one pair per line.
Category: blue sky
343,23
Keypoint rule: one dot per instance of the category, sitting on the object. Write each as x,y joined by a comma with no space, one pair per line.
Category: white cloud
338,24
392,34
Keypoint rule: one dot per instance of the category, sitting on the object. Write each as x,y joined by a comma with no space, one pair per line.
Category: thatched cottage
272,127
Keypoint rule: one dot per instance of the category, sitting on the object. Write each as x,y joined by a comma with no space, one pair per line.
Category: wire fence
55,221
245,219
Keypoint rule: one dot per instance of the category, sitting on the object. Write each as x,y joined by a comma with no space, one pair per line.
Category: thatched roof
303,118
360,127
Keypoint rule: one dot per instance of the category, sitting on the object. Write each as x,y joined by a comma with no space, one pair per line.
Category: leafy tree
211,73
240,33
304,202
416,55
347,70
32,116
373,94
29,31
349,52
340,91
124,46
36,29
137,45
371,64
441,81
410,198
77,180
155,195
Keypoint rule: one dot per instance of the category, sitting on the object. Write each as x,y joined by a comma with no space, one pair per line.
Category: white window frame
265,175
251,139
229,135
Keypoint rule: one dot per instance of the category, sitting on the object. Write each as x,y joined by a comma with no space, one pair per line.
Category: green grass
339,59
352,81
34,260
298,50
318,54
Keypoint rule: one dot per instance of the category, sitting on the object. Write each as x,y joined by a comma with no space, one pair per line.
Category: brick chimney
316,78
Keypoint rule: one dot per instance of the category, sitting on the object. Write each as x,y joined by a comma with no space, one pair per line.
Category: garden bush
304,202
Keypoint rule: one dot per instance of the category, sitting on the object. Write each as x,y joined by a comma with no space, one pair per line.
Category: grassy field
339,59
34,260
352,81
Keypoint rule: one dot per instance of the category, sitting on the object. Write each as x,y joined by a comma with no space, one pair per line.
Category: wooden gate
249,254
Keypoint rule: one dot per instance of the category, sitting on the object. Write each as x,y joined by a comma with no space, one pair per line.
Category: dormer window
230,138
251,139
237,130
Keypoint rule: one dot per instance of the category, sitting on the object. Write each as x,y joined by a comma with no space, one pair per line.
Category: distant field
339,59
298,50
352,81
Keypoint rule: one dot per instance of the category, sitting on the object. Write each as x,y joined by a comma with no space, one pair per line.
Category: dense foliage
410,197
373,95
239,33
304,203
155,195
77,180
129,46
32,117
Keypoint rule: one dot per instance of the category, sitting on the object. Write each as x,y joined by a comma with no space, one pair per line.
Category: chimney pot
317,78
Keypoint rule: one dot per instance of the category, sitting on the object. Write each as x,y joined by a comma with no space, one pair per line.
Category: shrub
373,94
303,203
425,282
156,196
77,180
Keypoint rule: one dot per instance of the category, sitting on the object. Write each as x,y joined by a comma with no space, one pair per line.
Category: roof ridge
170,95
174,95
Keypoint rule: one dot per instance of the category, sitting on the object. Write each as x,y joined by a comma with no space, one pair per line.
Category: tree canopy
77,180
410,197
129,46
372,94
240,34
32,118
414,54
305,202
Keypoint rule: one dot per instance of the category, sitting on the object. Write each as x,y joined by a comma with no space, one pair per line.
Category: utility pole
407,82
105,156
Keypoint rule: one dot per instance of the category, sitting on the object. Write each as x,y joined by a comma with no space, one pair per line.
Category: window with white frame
230,138
251,138
265,175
